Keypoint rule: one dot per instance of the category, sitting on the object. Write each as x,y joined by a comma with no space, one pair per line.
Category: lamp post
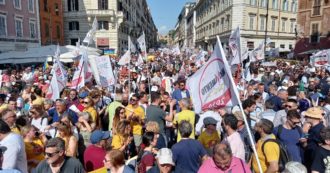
266,27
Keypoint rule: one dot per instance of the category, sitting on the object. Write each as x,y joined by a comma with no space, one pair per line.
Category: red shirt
147,160
93,158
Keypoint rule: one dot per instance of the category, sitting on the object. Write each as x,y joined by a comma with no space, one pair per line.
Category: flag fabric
321,58
131,45
139,61
126,58
91,33
105,72
176,50
53,90
235,47
258,53
78,80
45,66
211,87
142,44
274,52
268,40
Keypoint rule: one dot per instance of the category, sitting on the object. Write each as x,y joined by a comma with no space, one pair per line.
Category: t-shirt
92,112
290,137
34,151
70,164
112,110
321,161
190,117
93,158
139,112
15,156
117,141
41,123
147,160
154,113
209,140
272,153
187,155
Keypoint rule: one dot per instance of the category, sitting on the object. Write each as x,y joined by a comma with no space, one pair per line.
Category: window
2,2
272,44
31,6
290,46
58,31
262,23
103,25
273,24
222,24
263,3
253,2
275,4
74,25
317,7
292,26
250,45
294,6
283,25
73,5
3,25
46,29
17,4
282,46
19,27
57,10
315,33
32,26
46,5
103,4
73,41
251,22
285,5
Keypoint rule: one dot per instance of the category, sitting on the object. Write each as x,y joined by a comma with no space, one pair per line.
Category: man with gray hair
188,153
56,160
185,114
60,109
224,161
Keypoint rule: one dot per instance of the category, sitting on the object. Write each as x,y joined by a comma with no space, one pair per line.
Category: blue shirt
290,138
56,117
277,103
187,155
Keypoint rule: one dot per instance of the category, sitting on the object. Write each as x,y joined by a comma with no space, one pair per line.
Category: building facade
257,19
19,25
116,20
51,22
313,26
185,25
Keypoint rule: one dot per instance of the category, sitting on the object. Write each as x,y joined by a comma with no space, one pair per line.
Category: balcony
100,13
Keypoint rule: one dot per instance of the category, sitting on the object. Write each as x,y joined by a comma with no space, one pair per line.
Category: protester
146,157
281,115
38,117
165,163
115,161
209,137
56,159
185,114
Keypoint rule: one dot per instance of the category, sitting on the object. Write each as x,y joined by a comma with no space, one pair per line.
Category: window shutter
70,26
77,26
69,5
76,5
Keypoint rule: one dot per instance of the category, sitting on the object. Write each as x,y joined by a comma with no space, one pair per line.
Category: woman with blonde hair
38,117
34,145
122,138
88,104
119,116
152,126
85,126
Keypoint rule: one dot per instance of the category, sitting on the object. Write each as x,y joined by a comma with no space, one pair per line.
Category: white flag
211,87
176,50
258,53
78,80
142,44
91,33
53,90
105,71
131,45
126,58
139,60
235,47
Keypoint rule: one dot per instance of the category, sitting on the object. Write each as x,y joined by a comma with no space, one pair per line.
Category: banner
274,52
142,44
211,86
235,47
176,50
126,58
131,45
104,68
91,33
78,80
139,61
258,53
53,90
320,58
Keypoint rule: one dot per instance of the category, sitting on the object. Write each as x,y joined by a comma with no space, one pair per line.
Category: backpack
284,155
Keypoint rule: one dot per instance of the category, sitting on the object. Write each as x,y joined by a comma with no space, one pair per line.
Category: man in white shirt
15,156
27,75
209,113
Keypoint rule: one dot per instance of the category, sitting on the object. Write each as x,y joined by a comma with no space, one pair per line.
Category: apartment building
19,20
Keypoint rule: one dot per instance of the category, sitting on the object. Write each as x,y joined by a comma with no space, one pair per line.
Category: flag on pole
176,50
211,86
91,33
131,45
274,52
126,58
235,47
258,53
104,70
142,44
78,80
53,90
139,60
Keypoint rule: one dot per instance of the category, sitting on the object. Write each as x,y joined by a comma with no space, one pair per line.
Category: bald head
222,149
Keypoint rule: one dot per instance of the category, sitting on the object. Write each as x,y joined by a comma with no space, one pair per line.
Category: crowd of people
146,122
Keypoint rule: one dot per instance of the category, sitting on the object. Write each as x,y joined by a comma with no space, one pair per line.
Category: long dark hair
147,139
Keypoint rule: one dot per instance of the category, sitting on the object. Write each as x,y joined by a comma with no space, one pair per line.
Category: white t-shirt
40,123
14,157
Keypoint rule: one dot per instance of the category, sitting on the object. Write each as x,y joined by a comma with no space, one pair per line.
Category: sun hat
314,112
165,156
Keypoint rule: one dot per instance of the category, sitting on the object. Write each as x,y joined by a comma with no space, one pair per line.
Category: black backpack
284,156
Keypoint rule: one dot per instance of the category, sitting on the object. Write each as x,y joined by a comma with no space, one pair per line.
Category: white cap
165,156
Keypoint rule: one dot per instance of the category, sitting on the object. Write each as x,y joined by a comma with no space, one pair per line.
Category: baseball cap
209,120
99,135
83,94
165,156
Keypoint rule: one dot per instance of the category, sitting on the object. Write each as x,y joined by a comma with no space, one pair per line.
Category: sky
165,13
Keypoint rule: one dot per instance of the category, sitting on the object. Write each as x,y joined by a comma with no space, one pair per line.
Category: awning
309,52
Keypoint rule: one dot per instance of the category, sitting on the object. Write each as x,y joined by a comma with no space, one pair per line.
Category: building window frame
2,2
317,7
103,4
47,33
251,21
17,4
103,25
74,26
262,23
275,4
32,28
285,5
31,6
292,26
273,24
73,5
284,20
5,24
19,27
58,31
315,32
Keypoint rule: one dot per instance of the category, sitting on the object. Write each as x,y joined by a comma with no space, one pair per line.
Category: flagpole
240,105
129,68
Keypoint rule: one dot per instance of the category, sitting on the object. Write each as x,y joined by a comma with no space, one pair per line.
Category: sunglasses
288,106
85,102
133,100
51,154
122,112
295,123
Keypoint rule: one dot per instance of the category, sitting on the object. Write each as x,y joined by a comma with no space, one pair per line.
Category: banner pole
240,105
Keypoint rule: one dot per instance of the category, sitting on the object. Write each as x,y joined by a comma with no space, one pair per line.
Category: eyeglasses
85,102
133,100
295,123
51,154
288,106
105,160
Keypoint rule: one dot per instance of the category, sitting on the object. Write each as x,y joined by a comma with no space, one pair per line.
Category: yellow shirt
100,170
139,112
272,153
185,115
209,140
117,141
15,130
92,112
34,152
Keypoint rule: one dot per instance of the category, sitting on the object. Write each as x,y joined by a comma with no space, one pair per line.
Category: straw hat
238,115
314,112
